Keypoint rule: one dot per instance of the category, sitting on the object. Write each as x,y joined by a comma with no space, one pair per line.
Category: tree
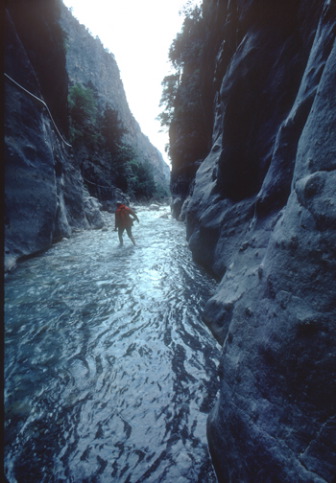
106,161
170,86
184,54
83,113
112,129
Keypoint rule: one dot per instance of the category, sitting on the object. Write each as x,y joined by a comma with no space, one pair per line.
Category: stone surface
261,217
44,192
90,64
46,196
31,193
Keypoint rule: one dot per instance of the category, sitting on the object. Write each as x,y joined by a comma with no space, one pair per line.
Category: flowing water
109,371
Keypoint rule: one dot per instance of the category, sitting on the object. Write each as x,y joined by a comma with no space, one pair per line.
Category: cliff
89,64
257,192
56,154
44,193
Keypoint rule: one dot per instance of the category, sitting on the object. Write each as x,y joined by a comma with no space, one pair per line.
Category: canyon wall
260,212
44,193
89,64
47,196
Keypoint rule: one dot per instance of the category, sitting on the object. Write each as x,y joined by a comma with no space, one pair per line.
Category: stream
110,372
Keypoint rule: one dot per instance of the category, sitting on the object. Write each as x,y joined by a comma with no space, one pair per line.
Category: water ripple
110,373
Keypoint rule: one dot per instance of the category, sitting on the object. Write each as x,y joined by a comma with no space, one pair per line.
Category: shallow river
109,371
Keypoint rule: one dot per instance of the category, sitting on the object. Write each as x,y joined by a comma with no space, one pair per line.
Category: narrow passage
109,371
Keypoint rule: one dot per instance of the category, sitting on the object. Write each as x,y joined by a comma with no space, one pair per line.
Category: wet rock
47,196
260,215
43,189
30,181
93,213
154,207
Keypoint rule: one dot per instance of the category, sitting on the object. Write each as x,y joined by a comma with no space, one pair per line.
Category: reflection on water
109,371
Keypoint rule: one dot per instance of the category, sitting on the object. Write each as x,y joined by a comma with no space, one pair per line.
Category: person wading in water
124,218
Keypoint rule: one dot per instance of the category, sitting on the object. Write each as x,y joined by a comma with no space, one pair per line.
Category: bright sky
139,34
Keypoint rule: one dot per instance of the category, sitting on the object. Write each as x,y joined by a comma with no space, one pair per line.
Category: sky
139,34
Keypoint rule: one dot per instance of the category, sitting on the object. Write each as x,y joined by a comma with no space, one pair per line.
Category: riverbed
110,372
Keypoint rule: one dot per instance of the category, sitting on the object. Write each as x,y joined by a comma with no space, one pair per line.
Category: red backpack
122,215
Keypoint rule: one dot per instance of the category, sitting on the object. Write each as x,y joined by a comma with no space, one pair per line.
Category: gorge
256,189
72,155
252,120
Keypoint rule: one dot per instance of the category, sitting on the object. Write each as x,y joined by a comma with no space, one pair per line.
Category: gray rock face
46,196
90,64
261,216
44,193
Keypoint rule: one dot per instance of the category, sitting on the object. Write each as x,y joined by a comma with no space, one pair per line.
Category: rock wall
44,194
46,197
90,64
261,217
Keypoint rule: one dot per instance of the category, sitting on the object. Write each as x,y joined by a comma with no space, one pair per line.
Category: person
124,218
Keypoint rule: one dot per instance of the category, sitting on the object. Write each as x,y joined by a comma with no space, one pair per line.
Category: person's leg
120,235
129,233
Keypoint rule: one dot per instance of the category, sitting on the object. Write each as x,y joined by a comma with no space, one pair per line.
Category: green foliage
83,113
170,87
133,176
106,160
112,130
142,181
121,158
187,44
161,192
184,54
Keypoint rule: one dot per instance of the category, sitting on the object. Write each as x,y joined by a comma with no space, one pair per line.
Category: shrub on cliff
83,114
184,106
184,55
133,176
106,161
